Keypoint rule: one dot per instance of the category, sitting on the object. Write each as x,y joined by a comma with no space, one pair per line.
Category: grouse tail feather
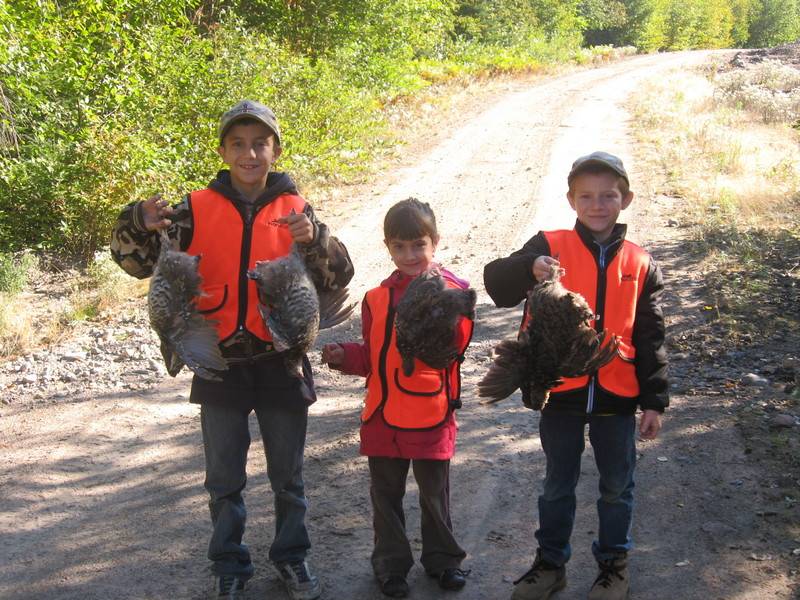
506,373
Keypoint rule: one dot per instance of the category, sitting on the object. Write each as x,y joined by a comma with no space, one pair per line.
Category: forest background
103,102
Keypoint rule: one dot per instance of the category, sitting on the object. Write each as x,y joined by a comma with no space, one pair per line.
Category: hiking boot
230,587
299,582
394,586
541,581
612,583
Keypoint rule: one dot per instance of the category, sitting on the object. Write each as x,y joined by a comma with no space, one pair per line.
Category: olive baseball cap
249,109
603,159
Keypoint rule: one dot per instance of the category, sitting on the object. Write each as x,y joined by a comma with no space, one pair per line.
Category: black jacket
509,279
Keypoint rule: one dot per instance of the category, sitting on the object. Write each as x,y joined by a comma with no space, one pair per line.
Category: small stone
782,421
717,528
796,552
753,379
683,563
760,557
73,356
662,459
791,362
672,223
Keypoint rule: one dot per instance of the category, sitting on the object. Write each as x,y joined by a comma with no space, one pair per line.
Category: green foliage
106,102
774,22
684,24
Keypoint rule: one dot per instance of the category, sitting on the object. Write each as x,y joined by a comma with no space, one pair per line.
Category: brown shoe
541,581
612,583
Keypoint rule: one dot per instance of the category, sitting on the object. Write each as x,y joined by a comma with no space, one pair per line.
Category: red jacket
378,438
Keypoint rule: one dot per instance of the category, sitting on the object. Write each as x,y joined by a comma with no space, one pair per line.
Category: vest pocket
619,376
423,382
625,350
212,299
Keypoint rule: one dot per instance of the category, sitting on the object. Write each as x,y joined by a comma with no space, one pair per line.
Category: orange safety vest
421,401
624,278
229,247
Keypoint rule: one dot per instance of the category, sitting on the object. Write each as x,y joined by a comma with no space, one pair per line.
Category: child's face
411,257
598,201
249,150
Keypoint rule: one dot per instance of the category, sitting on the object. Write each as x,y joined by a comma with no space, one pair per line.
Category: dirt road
103,497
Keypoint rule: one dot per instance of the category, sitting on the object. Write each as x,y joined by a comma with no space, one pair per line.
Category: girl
406,420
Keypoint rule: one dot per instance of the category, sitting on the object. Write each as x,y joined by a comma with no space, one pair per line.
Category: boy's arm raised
135,241
508,279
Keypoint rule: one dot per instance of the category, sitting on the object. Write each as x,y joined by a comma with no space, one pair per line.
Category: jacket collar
277,184
612,244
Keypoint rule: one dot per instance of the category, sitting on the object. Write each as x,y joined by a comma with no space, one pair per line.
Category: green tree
604,21
774,22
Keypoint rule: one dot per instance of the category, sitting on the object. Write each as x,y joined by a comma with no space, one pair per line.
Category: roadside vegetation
729,158
102,103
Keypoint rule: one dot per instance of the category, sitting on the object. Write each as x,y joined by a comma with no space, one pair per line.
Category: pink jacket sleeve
356,355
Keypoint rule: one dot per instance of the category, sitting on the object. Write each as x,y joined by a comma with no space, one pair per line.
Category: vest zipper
387,341
244,260
599,309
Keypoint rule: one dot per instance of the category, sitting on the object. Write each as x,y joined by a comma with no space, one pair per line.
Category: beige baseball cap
598,158
249,109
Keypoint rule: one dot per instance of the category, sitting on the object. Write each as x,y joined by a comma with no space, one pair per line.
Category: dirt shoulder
102,490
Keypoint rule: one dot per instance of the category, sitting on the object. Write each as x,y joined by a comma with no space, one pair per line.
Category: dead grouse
426,320
292,308
186,337
557,342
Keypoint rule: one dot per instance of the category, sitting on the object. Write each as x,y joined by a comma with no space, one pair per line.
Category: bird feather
557,342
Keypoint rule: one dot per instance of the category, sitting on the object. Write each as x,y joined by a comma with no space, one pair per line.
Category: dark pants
226,438
613,440
392,552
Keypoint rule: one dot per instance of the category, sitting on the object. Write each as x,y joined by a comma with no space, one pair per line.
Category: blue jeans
613,441
226,438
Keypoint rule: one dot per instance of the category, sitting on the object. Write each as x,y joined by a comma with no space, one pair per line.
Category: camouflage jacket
136,250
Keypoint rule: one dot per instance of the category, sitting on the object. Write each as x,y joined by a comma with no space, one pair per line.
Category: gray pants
392,553
226,438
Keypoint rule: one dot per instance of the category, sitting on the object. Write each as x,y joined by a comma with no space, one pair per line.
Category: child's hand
300,227
649,424
542,265
154,211
333,355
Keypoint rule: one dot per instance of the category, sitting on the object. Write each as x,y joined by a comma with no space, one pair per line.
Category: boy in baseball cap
622,284
248,213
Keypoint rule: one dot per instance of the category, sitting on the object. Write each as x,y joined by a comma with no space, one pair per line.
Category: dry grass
50,306
739,179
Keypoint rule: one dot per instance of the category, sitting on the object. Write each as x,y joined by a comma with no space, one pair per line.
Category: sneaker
612,583
299,582
230,587
394,586
541,581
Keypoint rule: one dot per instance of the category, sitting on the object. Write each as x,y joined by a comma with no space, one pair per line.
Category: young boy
622,285
246,214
